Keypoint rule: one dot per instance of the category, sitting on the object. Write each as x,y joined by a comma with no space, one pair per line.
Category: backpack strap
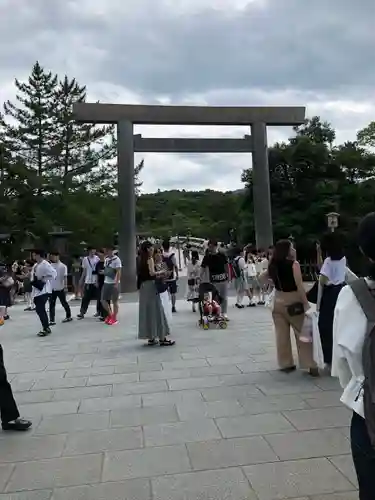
366,300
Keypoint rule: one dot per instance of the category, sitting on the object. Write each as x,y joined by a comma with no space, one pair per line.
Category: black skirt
326,315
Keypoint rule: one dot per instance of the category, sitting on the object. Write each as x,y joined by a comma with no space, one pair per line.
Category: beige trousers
283,322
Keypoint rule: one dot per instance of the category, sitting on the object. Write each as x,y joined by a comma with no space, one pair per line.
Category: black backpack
236,267
170,264
366,299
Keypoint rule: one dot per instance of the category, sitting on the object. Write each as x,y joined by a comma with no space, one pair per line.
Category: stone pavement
208,419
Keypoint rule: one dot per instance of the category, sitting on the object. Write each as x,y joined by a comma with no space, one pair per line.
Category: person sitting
211,308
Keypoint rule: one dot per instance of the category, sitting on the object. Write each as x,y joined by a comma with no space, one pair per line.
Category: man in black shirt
99,272
217,265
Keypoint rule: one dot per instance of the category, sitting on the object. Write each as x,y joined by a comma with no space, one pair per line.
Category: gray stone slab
139,367
284,480
230,393
345,465
207,371
143,416
100,391
309,444
140,388
184,363
112,403
171,398
230,453
52,408
349,495
91,371
56,472
263,366
22,448
117,378
133,489
164,375
180,432
24,398
214,409
323,399
252,425
73,423
228,360
319,418
329,384
147,462
5,473
245,378
194,383
106,440
271,404
227,484
296,386
26,377
28,495
23,386
60,383
70,365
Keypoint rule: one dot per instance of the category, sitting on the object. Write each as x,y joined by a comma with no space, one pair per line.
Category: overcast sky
221,52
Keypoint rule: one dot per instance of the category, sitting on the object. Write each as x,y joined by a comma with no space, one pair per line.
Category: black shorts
172,286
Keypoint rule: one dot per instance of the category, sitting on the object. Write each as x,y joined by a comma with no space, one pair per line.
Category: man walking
110,290
170,259
90,290
43,274
10,417
59,288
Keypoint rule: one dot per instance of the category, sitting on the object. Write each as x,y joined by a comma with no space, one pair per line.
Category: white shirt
114,263
349,330
334,270
45,272
264,265
251,270
61,274
193,270
259,266
88,265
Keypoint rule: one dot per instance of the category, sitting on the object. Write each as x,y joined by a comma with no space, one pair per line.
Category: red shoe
108,320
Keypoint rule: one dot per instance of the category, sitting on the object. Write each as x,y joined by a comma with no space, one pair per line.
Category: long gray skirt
152,321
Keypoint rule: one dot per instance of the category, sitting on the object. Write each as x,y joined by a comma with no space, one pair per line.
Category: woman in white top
349,330
331,281
241,278
193,274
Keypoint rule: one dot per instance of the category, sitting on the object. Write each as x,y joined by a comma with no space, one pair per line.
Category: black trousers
40,302
99,306
90,292
326,314
61,295
363,457
8,407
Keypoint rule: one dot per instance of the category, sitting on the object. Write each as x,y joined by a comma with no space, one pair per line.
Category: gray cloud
219,52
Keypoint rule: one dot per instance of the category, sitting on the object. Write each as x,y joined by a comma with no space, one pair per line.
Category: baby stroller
206,319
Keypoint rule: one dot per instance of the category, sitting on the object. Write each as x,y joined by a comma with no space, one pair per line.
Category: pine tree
79,150
30,136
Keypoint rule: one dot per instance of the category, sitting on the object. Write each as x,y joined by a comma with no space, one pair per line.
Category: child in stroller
209,307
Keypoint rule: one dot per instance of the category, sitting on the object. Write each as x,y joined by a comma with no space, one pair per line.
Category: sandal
167,342
152,342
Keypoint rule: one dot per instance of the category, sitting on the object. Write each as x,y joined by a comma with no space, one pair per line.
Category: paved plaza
208,419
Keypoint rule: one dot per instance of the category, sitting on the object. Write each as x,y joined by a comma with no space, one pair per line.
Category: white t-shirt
259,266
251,269
88,265
264,264
45,272
349,330
61,273
334,270
114,263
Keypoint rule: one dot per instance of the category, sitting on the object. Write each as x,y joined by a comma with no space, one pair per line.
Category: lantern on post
333,221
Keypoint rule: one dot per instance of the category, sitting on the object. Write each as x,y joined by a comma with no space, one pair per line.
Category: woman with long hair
289,308
331,281
161,267
153,324
193,274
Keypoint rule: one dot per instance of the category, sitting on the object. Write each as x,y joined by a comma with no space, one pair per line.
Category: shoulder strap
365,298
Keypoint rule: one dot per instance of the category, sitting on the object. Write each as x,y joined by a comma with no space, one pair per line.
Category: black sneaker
6,317
239,306
67,320
80,316
28,309
174,310
96,315
45,332
17,425
52,323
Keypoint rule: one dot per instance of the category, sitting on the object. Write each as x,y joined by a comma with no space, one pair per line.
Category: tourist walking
193,274
10,417
241,279
90,289
169,258
43,274
217,265
99,273
152,324
111,287
331,281
6,283
353,360
289,308
59,289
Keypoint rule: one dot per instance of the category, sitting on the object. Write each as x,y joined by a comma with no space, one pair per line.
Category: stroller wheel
206,326
223,325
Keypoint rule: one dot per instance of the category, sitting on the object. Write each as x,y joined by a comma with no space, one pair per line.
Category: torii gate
125,116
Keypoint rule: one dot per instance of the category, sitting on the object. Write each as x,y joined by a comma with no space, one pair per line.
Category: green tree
366,136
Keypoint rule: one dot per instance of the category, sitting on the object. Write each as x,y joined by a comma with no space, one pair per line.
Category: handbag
38,284
295,309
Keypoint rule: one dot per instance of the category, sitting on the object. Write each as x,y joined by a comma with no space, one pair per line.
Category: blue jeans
363,457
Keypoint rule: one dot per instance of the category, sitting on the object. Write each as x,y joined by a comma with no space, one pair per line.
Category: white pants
167,305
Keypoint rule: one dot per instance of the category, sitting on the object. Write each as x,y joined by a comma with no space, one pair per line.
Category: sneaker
174,309
67,320
44,332
107,320
17,425
239,306
52,323
96,315
28,309
80,316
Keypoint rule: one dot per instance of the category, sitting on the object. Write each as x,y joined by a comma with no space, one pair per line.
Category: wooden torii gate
125,116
